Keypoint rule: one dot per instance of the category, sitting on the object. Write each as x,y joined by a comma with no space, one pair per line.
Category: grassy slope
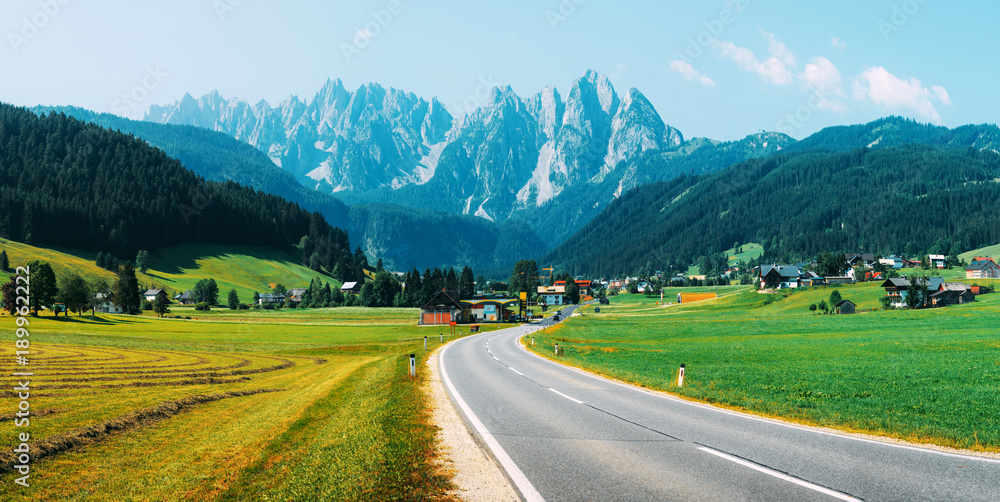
990,251
751,250
928,375
178,268
347,422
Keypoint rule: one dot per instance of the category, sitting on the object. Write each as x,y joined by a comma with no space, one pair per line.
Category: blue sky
722,69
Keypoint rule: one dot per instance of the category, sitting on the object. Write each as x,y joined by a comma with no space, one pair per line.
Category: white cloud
838,44
823,78
895,94
941,94
776,69
688,71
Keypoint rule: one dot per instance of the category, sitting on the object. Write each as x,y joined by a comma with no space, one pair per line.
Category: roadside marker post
557,349
532,341
442,337
425,343
680,377
413,365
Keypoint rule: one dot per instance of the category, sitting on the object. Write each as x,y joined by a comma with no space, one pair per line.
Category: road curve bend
564,434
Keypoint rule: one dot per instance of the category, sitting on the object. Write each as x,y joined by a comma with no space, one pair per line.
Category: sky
720,69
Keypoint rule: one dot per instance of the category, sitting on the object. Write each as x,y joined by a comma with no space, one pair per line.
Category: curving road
562,434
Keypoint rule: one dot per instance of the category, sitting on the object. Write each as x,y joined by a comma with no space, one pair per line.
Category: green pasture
926,375
341,419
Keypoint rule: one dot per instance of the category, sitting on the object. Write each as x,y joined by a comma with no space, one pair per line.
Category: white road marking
515,371
779,475
528,490
761,419
577,401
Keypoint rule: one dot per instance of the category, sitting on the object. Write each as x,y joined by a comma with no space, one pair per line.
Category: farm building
267,298
444,308
982,269
489,310
846,307
104,305
185,298
150,295
296,294
351,287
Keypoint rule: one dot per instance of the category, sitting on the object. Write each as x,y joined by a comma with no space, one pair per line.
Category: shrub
202,306
147,305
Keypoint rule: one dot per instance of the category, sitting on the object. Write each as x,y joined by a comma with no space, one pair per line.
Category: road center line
577,401
527,490
515,371
779,475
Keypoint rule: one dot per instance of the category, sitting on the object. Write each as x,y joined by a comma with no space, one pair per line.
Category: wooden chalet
444,308
983,269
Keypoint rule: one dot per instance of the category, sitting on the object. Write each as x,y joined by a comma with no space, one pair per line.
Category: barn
444,308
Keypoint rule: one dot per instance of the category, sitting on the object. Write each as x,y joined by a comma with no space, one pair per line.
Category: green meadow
925,376
178,268
233,405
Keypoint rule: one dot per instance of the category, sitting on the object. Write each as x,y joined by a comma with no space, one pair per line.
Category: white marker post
442,337
532,341
557,349
680,377
413,365
425,343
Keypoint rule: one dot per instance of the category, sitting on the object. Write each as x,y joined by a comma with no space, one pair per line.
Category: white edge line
527,490
577,401
515,371
759,419
779,475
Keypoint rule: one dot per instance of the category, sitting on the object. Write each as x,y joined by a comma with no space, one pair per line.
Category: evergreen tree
573,292
466,283
9,290
256,297
161,304
4,262
101,259
234,300
125,290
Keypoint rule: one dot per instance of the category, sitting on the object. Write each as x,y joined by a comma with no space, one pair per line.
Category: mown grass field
925,376
179,268
295,405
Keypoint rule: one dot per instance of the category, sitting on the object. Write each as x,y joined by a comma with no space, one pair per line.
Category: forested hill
217,157
912,199
67,183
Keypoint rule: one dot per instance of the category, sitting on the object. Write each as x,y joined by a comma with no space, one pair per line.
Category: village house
950,293
268,298
866,260
895,289
351,287
185,298
296,294
489,309
552,295
104,305
982,269
779,277
938,261
150,295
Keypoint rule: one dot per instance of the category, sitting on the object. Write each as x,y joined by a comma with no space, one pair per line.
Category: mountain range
548,162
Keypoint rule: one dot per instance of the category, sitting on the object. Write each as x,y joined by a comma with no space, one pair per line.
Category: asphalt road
562,434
